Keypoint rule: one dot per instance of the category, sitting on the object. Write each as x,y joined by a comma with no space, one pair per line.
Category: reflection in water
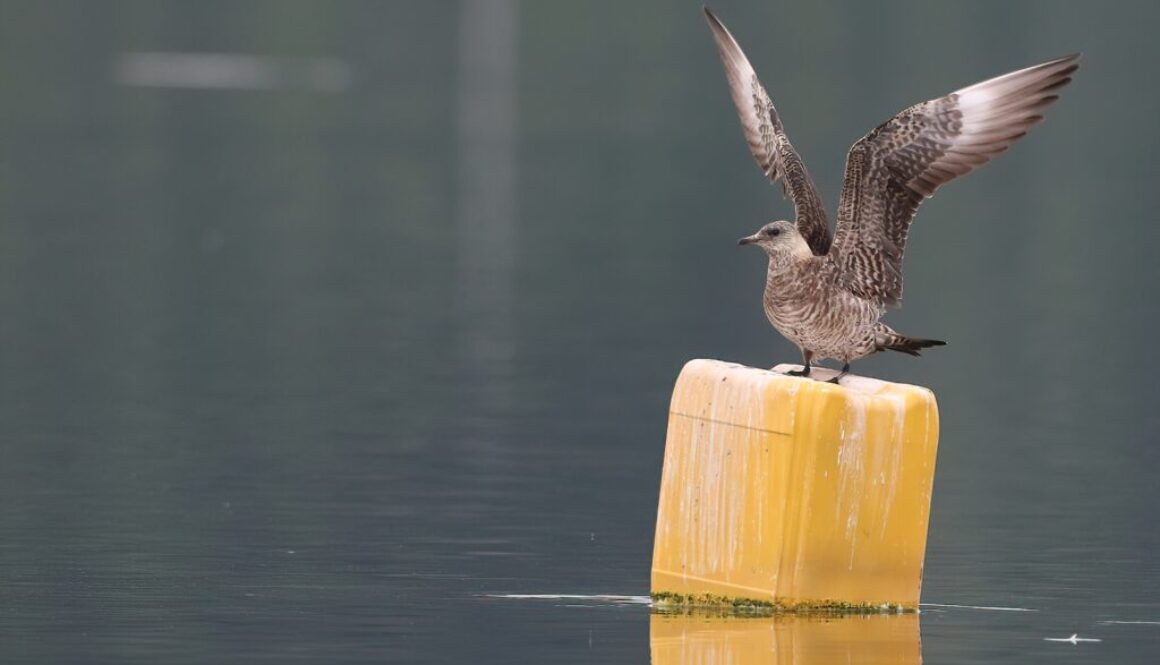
709,639
486,219
231,71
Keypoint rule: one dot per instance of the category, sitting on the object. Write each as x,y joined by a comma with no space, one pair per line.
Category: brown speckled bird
828,296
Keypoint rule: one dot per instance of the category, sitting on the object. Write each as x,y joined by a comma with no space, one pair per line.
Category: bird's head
780,240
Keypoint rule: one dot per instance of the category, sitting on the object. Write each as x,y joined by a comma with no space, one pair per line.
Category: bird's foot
805,371
837,380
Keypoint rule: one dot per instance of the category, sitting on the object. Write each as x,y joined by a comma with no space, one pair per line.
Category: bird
828,293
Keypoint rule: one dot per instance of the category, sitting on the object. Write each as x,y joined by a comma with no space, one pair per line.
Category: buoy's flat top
862,384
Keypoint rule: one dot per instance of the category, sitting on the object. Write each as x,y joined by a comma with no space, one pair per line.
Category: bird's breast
810,310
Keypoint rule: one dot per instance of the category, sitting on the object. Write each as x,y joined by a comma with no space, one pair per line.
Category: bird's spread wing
767,139
891,170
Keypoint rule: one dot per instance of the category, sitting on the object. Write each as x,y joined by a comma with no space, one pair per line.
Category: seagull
1074,639
827,294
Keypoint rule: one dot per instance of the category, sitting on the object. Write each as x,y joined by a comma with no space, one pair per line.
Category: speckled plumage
827,293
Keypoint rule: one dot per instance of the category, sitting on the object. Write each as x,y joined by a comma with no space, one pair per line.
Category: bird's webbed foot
805,371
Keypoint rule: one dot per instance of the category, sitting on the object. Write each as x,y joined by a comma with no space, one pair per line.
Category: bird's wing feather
891,170
767,140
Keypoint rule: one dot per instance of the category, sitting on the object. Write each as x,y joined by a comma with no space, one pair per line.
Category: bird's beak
748,240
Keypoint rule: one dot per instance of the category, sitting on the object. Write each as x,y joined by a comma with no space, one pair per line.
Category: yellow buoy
793,492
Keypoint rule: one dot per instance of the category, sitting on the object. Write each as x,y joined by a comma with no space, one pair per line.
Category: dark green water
304,369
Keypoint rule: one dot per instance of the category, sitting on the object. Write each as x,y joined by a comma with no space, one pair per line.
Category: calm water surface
312,360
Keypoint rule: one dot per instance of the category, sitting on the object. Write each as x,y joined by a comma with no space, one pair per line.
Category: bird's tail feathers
888,340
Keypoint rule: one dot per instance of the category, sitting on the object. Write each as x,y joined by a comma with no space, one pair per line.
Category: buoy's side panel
866,473
723,488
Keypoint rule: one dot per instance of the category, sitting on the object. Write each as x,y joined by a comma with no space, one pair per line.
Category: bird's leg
844,372
807,356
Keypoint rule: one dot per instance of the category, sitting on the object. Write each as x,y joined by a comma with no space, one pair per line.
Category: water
314,367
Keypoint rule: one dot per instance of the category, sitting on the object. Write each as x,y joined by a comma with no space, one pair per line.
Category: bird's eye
773,232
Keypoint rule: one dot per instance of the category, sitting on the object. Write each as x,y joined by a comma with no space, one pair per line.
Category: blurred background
320,321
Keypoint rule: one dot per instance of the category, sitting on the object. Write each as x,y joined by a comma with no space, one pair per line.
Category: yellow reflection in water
685,639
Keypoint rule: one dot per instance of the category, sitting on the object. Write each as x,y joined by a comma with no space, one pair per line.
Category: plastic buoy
793,493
